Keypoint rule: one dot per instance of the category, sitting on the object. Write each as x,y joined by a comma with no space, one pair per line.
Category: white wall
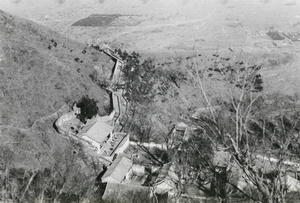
93,142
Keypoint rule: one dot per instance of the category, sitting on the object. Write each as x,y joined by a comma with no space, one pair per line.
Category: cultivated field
169,28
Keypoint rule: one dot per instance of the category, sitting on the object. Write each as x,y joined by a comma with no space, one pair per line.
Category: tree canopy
88,108
139,77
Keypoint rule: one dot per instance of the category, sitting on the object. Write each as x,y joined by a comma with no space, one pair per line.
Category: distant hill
40,71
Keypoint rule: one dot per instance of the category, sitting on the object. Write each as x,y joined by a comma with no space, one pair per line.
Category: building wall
123,146
138,169
92,142
62,119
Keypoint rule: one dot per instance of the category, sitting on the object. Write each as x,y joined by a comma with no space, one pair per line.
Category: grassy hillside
41,75
41,70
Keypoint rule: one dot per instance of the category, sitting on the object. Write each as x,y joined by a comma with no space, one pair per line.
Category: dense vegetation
248,125
238,117
88,108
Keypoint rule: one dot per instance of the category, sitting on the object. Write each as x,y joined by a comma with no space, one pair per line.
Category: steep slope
40,71
41,75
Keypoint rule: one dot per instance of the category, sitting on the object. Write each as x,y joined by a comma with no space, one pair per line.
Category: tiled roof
97,131
116,192
117,170
166,173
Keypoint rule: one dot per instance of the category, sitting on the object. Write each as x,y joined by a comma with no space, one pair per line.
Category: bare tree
232,120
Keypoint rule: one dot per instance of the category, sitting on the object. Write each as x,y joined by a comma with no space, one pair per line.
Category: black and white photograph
149,101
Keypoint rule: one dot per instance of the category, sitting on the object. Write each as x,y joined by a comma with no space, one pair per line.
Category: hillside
154,28
41,71
41,75
203,54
